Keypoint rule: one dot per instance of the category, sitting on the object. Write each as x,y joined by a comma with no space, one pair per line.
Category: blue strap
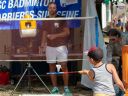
96,31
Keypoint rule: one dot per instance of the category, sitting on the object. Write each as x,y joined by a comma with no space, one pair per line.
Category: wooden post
125,67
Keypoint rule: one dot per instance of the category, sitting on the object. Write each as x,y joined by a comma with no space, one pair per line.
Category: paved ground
41,91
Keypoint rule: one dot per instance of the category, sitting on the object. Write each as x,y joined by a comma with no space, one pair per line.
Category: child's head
114,32
96,54
114,35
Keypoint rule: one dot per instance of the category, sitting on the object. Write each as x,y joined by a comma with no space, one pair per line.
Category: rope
38,19
43,60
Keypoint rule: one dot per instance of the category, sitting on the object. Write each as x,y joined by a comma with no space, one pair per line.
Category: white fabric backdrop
89,39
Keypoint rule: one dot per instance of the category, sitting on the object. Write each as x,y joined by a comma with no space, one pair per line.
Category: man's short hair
51,3
114,32
96,53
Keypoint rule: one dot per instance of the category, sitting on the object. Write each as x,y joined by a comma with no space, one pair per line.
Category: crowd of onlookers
118,37
119,24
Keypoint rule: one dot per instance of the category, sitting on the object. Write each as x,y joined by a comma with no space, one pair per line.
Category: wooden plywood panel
5,44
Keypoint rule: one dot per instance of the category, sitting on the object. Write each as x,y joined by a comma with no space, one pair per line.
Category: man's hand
42,49
51,36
